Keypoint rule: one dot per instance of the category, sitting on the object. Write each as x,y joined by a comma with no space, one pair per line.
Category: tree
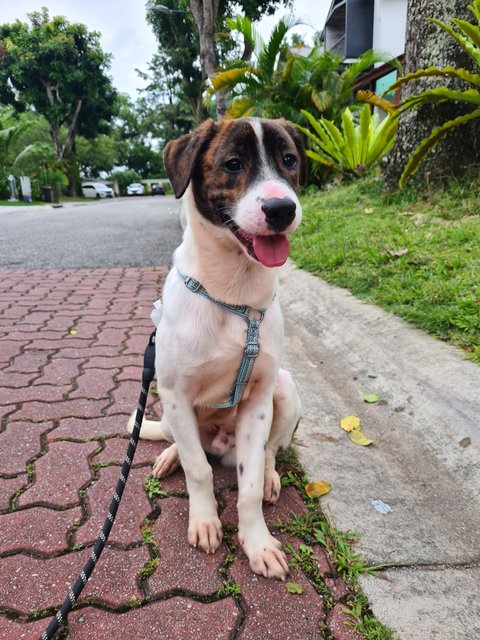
426,46
194,40
60,70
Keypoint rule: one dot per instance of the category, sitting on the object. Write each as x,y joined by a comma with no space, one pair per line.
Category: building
355,26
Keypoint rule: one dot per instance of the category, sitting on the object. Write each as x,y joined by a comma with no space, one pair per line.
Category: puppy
220,314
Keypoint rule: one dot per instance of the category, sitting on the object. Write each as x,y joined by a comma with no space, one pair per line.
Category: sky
128,37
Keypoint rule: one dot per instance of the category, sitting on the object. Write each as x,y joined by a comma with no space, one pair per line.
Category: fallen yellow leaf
350,423
358,437
317,489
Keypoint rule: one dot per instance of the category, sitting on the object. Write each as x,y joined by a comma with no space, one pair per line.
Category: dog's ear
297,138
180,155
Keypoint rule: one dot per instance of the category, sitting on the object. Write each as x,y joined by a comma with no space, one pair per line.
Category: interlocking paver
114,581
116,448
274,612
8,488
81,428
336,623
30,361
176,619
132,511
41,411
60,474
182,566
38,529
94,384
18,443
62,389
17,630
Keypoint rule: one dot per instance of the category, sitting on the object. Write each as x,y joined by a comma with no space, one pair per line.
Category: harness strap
252,346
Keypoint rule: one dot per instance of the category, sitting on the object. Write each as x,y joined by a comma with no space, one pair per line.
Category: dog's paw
271,486
166,463
267,560
205,533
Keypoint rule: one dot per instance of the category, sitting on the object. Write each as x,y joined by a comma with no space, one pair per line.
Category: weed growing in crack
363,621
148,538
304,560
152,488
149,568
230,589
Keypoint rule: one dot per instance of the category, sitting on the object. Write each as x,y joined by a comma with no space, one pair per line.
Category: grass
416,255
313,527
20,203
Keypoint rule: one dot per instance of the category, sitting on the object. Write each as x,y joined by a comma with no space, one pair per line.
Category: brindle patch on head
281,139
215,188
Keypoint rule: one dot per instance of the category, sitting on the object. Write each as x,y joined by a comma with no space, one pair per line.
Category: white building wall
390,17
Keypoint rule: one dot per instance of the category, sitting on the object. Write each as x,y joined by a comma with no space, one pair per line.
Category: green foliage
60,70
363,621
354,148
280,83
467,36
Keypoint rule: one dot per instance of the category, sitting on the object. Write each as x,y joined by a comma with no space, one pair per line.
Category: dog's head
244,175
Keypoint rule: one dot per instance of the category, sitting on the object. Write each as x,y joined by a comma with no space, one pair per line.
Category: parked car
157,189
96,190
135,189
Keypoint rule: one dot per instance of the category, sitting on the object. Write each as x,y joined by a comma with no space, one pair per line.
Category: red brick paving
66,397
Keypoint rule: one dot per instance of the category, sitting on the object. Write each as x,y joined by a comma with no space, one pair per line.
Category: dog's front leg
204,527
253,427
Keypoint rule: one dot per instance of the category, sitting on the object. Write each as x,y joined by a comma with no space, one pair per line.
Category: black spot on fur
240,468
261,416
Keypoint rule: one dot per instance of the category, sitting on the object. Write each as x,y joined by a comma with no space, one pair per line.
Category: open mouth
271,250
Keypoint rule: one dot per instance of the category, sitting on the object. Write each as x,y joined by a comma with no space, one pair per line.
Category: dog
221,311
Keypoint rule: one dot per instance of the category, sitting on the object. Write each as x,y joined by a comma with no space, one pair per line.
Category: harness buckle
192,284
251,349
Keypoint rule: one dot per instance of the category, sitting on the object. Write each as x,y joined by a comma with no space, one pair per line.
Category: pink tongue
272,251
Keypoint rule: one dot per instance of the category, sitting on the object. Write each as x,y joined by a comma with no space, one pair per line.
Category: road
125,232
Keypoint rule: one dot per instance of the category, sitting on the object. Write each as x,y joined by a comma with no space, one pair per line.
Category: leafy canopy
60,70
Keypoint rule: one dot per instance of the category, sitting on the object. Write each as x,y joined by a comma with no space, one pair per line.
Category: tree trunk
205,13
429,45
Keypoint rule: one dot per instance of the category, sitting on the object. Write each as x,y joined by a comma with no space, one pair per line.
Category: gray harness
252,346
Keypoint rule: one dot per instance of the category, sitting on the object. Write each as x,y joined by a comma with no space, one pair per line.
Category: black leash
74,591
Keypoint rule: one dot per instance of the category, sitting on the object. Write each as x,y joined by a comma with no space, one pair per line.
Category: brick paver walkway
70,364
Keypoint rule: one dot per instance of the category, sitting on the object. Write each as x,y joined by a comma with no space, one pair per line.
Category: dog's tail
150,429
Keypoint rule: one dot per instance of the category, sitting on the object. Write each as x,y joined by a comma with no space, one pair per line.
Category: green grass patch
416,255
20,203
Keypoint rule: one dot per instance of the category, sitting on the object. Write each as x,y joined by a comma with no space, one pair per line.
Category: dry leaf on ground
317,489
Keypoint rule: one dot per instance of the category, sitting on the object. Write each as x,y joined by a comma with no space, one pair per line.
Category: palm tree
280,82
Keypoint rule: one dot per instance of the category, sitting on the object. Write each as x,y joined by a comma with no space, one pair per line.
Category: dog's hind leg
168,461
151,429
286,414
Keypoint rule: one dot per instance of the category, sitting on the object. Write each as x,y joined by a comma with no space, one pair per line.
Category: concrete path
425,462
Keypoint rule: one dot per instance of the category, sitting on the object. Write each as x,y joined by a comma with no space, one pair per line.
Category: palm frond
465,43
377,101
270,52
451,72
230,78
440,94
429,143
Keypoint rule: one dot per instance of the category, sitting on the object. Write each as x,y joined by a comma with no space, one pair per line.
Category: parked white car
96,190
135,189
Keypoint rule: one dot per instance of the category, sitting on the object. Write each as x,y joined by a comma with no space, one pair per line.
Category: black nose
279,213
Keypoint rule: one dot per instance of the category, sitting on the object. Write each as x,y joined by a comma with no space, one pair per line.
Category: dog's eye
289,161
234,165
